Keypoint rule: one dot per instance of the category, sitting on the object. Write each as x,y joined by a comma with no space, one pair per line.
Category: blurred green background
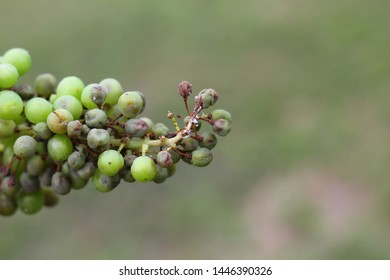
304,174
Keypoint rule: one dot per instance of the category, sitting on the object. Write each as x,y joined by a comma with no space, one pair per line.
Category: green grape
49,197
136,127
221,127
221,114
7,128
149,123
36,165
114,90
105,183
87,171
135,143
25,146
110,162
70,103
143,169
74,129
60,184
58,120
7,205
201,157
189,144
53,98
130,104
160,129
45,176
164,159
161,176
90,91
8,75
28,183
129,159
9,186
11,105
25,91
30,203
98,138
38,109
76,182
208,97
45,84
59,147
76,160
20,58
70,86
96,118
42,131
171,170
209,140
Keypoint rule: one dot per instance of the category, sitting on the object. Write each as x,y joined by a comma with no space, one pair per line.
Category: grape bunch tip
55,137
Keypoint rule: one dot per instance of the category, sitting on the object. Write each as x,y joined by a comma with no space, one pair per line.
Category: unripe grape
74,129
8,75
25,146
98,138
105,183
53,98
76,182
20,58
209,140
49,197
45,84
30,203
58,120
28,183
96,118
129,159
7,205
130,104
171,170
70,86
221,127
38,109
60,184
175,156
45,177
189,144
92,91
9,186
150,124
76,160
164,159
143,169
87,171
136,127
70,103
208,97
221,114
59,147
42,131
201,157
114,90
160,129
35,165
25,91
11,105
125,173
161,175
7,128
110,162
135,143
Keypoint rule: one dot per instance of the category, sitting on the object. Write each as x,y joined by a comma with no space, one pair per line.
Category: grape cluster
55,137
